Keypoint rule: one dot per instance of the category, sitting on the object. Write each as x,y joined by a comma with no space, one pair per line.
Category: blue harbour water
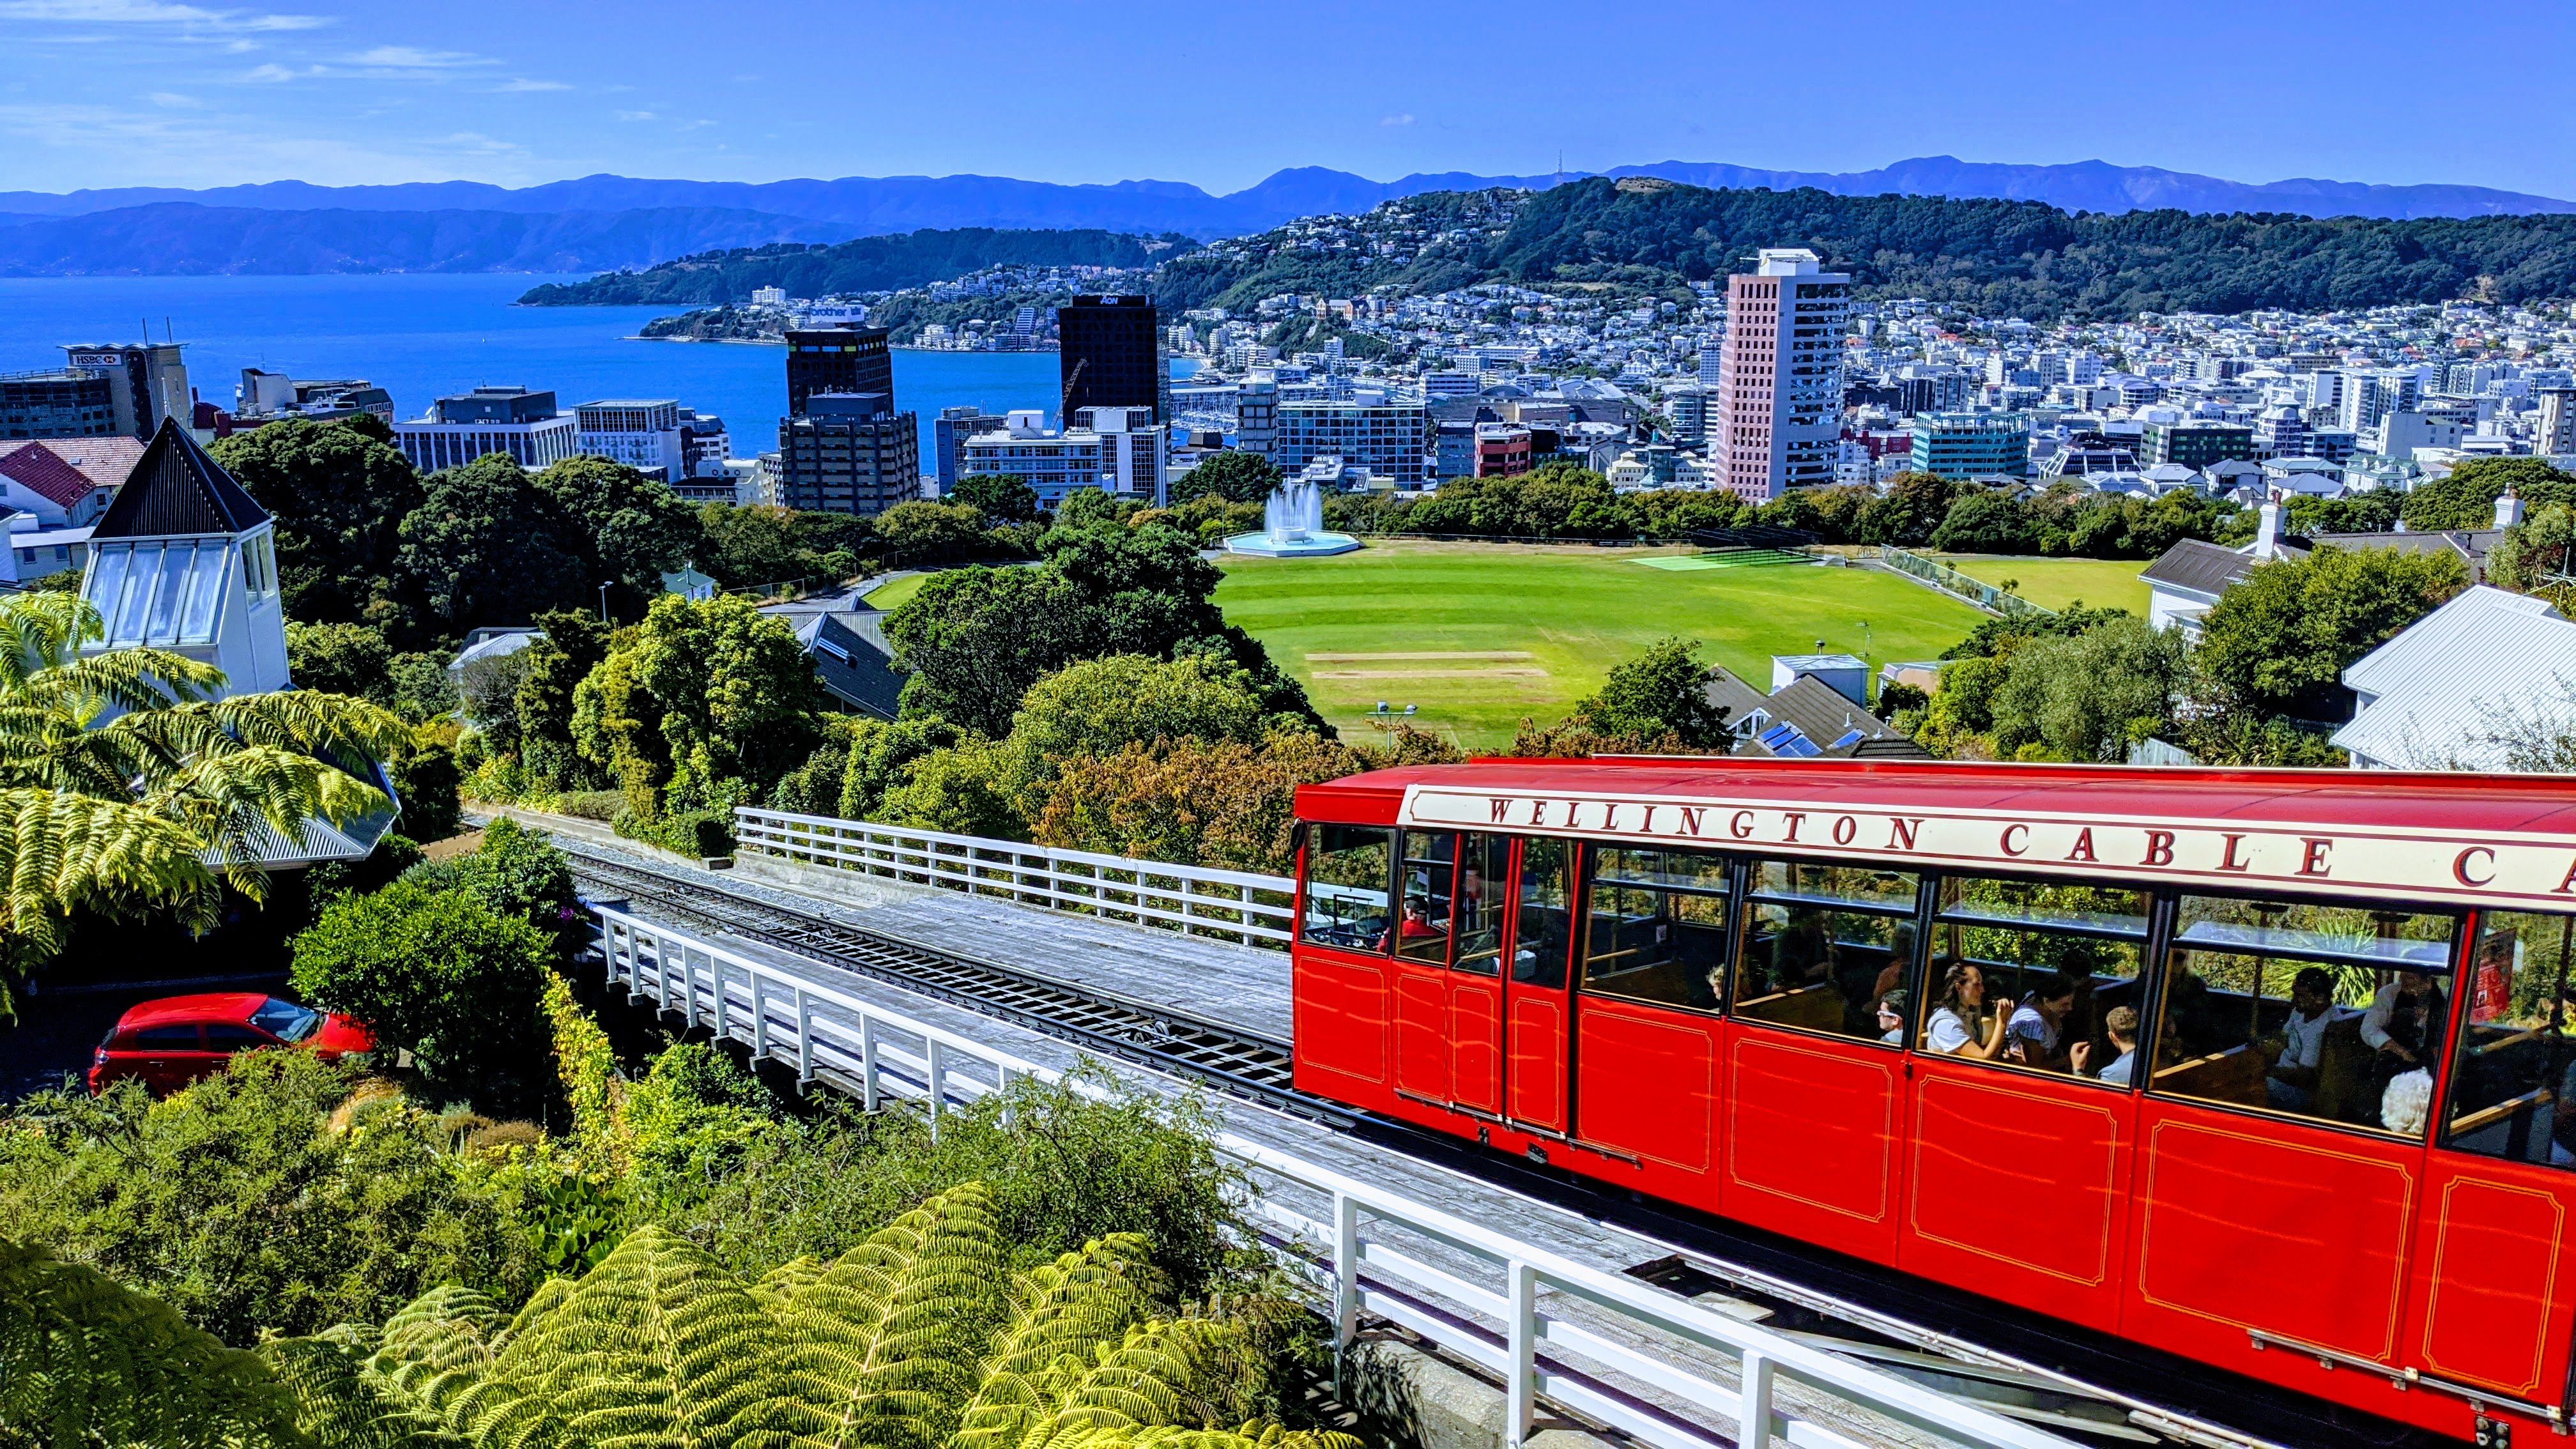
419,335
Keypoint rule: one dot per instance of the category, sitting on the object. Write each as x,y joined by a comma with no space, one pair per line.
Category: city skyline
155,92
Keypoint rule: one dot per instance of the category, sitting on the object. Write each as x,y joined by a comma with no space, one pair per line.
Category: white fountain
1292,521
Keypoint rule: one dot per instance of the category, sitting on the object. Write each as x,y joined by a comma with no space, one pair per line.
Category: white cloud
406,57
634,115
160,148
269,73
172,101
1400,118
154,12
521,83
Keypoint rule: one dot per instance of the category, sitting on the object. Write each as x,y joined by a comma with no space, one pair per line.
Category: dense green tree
1663,690
1236,477
2286,632
1983,522
1913,505
2372,512
2534,555
1001,497
350,659
738,698
487,547
1088,507
627,529
880,760
1102,705
973,640
572,644
439,974
617,726
747,548
922,534
2466,496
339,498
2087,697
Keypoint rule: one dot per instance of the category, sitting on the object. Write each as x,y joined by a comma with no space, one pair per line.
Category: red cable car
2275,1069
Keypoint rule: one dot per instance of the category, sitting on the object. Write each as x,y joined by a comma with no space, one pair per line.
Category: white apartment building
510,420
1389,438
1117,450
639,433
1777,416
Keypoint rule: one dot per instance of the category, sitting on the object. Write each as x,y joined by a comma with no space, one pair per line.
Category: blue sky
160,92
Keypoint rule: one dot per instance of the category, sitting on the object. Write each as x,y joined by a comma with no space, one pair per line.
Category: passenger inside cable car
1656,926
2046,960
2120,1024
2239,970
1819,944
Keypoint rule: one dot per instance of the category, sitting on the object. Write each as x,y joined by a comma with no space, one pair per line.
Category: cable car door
1536,1011
1475,984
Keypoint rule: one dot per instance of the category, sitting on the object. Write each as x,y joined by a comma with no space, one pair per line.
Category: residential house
2450,687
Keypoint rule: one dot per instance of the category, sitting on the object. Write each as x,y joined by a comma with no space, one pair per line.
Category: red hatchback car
173,1041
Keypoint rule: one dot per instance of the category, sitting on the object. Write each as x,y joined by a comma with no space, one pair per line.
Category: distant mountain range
599,223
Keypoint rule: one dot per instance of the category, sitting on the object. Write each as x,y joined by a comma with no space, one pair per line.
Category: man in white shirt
2291,1084
2121,1026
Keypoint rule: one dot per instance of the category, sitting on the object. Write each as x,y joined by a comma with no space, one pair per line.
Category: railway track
2066,1378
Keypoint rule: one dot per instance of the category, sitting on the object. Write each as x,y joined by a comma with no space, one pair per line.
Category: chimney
2267,535
2508,510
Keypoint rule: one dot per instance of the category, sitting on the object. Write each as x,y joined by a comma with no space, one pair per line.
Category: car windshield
285,1020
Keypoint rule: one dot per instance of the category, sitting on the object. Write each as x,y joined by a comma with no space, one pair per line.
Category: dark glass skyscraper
1113,356
839,359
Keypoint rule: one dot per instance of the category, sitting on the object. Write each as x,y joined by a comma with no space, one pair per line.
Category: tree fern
86,1361
917,1339
126,785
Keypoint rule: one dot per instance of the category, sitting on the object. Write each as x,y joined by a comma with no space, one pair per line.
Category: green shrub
1069,1168
599,805
241,1204
428,782
440,974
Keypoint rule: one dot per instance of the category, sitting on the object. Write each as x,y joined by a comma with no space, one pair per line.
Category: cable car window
1346,877
1426,877
2030,974
1655,926
1824,945
1484,879
2330,1013
1544,920
2513,1090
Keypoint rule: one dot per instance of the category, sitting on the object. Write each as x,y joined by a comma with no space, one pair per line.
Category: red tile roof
104,461
42,469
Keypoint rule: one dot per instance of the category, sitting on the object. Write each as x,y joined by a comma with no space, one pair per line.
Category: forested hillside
870,264
2006,258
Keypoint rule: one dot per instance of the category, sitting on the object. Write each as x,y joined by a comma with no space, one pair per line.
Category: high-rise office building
1113,356
146,383
849,453
61,402
837,359
1780,383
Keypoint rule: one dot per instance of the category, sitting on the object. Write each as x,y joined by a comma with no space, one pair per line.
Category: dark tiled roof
176,490
43,470
2202,568
852,661
2471,545
1824,720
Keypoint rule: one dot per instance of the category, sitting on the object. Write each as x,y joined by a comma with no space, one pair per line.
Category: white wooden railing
1606,1347
1198,900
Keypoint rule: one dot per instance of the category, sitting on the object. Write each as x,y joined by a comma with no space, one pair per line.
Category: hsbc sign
98,359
